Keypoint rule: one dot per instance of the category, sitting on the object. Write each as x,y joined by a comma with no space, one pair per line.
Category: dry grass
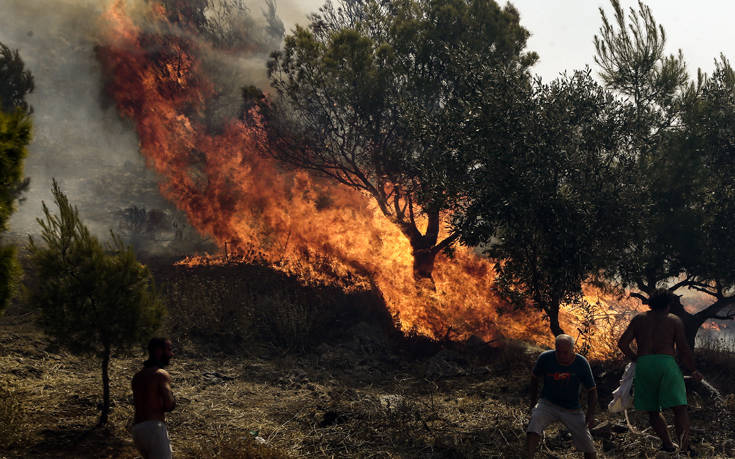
233,308
344,388
224,445
14,426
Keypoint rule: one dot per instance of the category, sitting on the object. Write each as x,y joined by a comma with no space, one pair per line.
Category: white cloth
151,439
623,395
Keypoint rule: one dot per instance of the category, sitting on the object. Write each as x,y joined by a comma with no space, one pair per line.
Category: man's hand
533,393
590,419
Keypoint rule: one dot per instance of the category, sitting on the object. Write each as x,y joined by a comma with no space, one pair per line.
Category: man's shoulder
546,354
163,374
580,359
543,359
639,317
673,318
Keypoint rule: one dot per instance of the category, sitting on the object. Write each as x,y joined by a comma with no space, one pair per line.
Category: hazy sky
562,30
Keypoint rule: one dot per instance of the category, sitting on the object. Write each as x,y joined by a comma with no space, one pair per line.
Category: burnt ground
352,390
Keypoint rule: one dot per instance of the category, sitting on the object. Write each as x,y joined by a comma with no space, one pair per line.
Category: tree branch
446,242
640,296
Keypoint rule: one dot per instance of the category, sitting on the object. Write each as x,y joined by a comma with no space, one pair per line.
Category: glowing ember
319,231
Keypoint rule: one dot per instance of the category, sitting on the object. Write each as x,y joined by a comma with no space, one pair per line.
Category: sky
562,30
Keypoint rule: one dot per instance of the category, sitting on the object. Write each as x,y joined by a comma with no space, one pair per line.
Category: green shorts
658,383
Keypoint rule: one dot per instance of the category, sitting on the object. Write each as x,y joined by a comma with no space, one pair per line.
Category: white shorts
151,439
545,413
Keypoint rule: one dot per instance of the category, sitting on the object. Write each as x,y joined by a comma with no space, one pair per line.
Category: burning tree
364,95
682,144
93,298
312,227
547,199
226,23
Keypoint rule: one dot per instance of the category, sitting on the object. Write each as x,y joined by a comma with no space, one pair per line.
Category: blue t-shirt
561,382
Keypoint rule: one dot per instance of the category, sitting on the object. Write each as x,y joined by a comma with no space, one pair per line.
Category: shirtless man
153,397
659,383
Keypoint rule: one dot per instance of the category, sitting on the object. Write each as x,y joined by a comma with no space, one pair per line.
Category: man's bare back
152,395
657,332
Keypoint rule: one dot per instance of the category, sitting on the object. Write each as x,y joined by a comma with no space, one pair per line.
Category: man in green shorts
658,383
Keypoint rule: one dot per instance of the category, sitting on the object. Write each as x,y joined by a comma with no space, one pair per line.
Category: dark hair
155,344
661,299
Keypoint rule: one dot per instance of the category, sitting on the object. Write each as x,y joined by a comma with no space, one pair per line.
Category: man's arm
167,395
588,381
533,390
591,406
682,347
626,339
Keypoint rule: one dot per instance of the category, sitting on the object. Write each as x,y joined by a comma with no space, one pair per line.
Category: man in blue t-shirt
563,372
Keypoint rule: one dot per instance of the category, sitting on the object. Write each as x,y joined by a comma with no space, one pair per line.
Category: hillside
326,376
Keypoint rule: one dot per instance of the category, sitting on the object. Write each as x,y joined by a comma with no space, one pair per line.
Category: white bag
622,396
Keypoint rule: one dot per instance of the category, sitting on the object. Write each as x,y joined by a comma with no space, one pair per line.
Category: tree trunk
691,327
691,322
423,247
552,312
105,386
423,262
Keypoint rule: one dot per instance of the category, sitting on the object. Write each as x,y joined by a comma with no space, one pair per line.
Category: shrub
93,297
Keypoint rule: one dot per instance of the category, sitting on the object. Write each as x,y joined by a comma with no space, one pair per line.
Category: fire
298,223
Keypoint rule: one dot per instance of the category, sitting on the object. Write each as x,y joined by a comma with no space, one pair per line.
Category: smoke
79,137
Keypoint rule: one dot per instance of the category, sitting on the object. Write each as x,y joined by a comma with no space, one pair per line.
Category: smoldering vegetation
80,139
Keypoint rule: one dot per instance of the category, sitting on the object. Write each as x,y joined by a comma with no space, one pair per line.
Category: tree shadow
83,442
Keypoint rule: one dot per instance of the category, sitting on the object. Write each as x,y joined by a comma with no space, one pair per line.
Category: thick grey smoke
79,137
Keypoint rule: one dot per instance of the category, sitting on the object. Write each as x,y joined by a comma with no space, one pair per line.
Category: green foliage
709,133
632,61
371,94
93,297
15,81
683,169
15,135
9,274
547,198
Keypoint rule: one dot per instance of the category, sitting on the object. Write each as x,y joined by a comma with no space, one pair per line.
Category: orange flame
319,231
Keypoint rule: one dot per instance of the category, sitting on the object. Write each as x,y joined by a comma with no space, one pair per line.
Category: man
563,371
658,382
153,397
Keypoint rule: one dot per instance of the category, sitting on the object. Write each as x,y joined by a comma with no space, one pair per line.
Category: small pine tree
15,81
15,135
93,297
